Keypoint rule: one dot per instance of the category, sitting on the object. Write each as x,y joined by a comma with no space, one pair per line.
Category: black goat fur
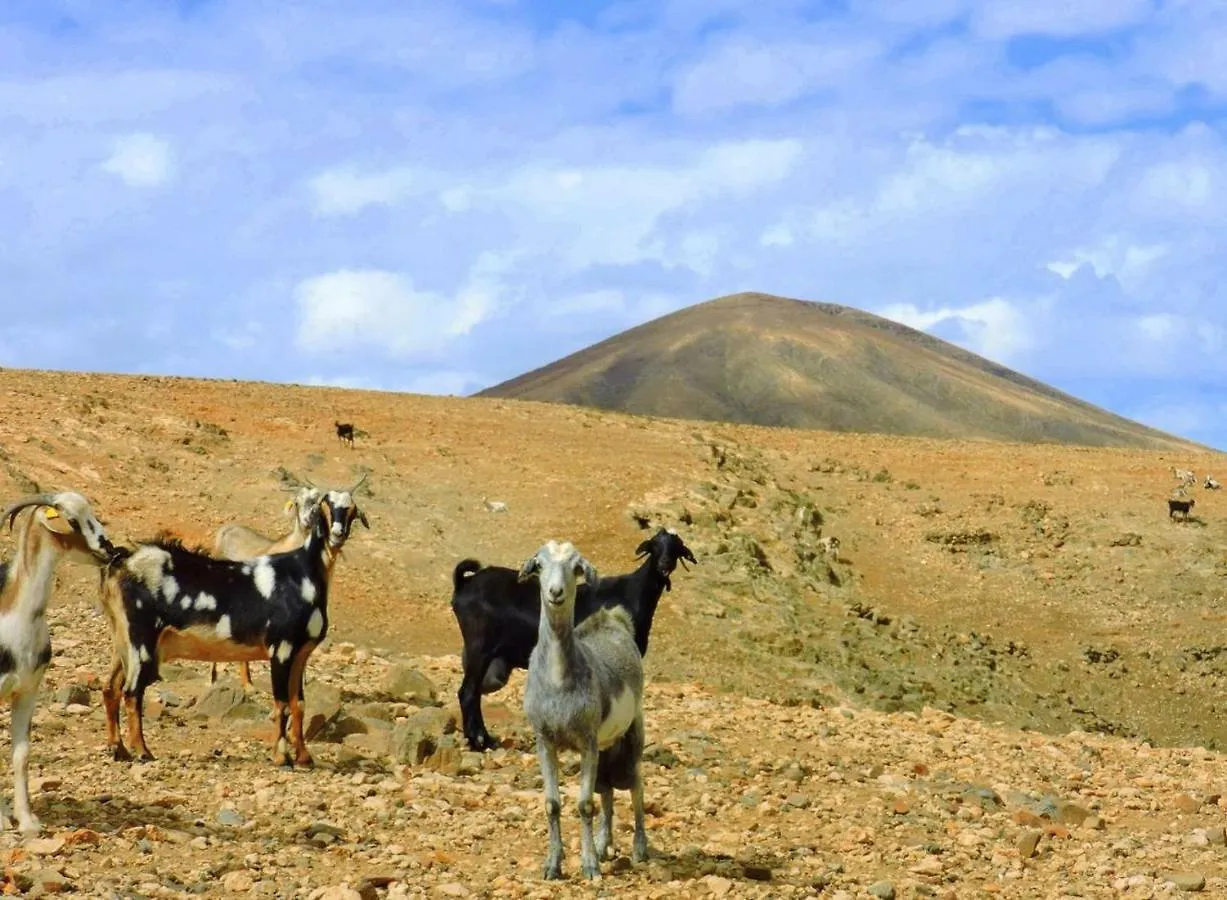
499,616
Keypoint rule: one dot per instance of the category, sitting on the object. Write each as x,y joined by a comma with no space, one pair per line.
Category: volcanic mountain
758,359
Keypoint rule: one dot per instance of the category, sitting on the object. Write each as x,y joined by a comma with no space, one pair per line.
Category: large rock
407,685
323,707
418,737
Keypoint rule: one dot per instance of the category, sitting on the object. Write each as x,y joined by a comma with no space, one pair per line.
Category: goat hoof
121,754
553,873
30,826
305,762
591,871
146,757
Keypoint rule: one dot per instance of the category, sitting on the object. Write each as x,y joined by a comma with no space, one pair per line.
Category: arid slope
955,706
765,360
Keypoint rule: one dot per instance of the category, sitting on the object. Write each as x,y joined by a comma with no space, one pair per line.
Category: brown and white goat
164,602
48,528
240,542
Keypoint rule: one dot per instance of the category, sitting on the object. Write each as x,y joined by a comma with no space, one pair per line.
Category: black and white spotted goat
48,528
237,541
498,617
164,601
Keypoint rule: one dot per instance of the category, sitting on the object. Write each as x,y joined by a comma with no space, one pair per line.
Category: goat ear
362,519
530,568
53,521
644,549
590,575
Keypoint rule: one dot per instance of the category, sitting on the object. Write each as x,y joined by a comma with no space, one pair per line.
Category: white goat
1184,476
1211,485
584,692
494,506
829,546
241,543
50,527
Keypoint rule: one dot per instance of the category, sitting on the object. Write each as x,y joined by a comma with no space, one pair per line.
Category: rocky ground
1005,683
745,798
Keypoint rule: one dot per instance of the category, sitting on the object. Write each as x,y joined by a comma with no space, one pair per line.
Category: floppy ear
687,555
590,575
530,568
644,549
53,521
362,519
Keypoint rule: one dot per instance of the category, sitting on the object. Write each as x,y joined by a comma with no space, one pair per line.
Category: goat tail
464,570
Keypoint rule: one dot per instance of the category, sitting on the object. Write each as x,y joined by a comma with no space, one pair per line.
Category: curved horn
358,483
35,500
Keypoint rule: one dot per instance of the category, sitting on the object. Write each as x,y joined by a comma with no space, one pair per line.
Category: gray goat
584,692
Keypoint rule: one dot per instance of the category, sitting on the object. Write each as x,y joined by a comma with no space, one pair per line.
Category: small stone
44,846
340,892
323,707
452,889
1188,881
1217,836
883,890
49,881
229,817
797,801
1186,804
620,865
930,865
77,709
73,695
1029,842
1071,814
237,882
757,873
717,886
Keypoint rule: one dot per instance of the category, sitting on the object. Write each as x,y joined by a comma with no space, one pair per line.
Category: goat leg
604,832
589,865
302,756
639,847
280,674
111,693
23,715
548,758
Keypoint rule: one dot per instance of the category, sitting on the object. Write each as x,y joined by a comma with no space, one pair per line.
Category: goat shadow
1190,520
108,814
692,864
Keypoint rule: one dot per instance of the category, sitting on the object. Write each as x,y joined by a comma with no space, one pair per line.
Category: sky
439,195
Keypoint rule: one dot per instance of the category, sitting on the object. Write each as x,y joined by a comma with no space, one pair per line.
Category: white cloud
353,309
747,72
140,160
998,19
1114,256
611,214
345,191
996,328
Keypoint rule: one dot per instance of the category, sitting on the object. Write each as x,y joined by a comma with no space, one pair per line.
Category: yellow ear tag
51,512
289,505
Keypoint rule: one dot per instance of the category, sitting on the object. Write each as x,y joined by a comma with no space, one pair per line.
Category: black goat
1179,506
345,432
499,618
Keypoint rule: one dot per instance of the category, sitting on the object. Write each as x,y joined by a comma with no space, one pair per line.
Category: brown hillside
815,726
764,360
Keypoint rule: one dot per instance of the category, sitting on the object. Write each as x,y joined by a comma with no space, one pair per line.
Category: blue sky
435,196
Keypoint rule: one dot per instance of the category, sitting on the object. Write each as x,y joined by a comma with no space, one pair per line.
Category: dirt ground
1013,642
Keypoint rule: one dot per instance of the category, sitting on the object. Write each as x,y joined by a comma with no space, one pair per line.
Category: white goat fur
48,529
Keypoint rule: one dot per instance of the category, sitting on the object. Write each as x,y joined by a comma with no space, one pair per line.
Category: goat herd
255,598
1180,501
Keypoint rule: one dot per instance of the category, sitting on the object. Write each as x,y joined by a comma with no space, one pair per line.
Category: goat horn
358,484
36,500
